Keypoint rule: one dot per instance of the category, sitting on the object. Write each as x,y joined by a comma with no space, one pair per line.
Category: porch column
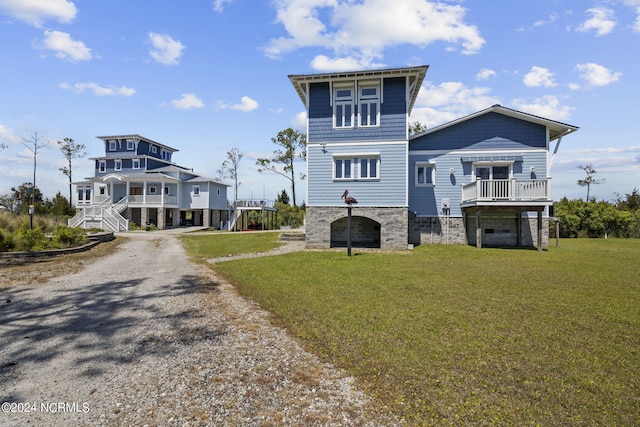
478,230
519,225
128,191
111,192
144,192
539,230
161,219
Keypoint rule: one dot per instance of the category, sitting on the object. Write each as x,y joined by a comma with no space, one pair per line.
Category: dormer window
343,105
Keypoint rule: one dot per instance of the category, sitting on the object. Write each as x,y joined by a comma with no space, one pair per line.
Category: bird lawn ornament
348,199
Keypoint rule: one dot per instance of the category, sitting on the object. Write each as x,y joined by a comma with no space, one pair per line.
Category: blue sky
206,76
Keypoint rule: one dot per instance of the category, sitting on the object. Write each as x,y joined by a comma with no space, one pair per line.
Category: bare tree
229,168
71,150
295,146
589,180
33,145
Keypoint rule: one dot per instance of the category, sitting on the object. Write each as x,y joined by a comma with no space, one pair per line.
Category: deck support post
539,231
478,230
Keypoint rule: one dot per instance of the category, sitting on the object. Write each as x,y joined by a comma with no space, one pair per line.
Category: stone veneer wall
437,230
394,225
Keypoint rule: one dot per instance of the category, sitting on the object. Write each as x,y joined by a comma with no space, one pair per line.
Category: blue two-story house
481,179
137,181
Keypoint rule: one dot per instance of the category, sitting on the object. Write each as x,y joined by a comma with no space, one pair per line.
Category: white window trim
195,189
153,149
368,158
475,165
102,166
153,189
117,165
433,174
335,102
130,145
112,145
135,162
352,168
369,100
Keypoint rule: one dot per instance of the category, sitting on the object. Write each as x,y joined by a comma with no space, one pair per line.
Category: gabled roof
415,75
137,137
556,129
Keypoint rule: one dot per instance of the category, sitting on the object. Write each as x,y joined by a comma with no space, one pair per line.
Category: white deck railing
507,190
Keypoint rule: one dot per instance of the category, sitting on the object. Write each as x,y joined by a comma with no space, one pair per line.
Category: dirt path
144,337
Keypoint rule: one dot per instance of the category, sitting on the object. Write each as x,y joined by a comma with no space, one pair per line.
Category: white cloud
65,47
7,135
548,107
485,74
539,77
358,32
165,49
246,105
35,12
636,24
602,21
449,101
187,102
299,122
597,75
218,5
98,90
324,63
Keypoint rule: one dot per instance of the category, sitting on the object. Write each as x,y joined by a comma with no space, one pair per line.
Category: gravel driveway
144,337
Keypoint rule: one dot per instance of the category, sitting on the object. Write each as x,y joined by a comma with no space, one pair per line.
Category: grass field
452,335
201,246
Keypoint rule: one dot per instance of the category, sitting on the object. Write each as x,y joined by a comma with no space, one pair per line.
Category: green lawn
456,335
217,244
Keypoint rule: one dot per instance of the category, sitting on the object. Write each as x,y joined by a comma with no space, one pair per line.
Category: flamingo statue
348,199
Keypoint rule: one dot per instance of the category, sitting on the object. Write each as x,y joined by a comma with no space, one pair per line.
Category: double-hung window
425,174
135,163
195,190
369,104
102,166
112,145
130,145
118,165
343,105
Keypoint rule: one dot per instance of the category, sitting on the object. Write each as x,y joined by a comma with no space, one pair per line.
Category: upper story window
102,166
135,163
195,190
343,105
118,165
112,145
425,174
154,149
166,155
130,145
369,104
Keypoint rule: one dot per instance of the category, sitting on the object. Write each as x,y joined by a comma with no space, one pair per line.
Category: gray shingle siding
393,120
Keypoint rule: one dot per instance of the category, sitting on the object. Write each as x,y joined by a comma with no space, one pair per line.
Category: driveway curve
145,337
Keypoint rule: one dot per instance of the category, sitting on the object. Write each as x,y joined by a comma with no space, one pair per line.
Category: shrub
6,240
30,239
66,237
